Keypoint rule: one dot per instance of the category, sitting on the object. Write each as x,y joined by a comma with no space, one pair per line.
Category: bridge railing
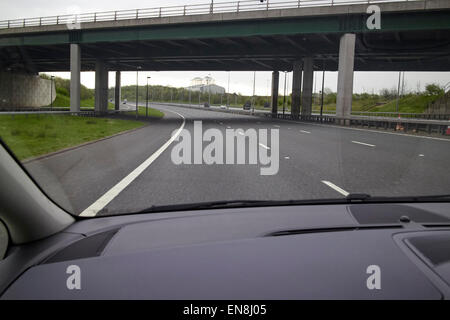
172,11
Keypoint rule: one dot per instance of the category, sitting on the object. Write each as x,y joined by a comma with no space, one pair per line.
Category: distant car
247,105
266,105
206,105
125,101
223,107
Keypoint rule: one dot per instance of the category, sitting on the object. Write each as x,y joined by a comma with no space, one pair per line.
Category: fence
185,10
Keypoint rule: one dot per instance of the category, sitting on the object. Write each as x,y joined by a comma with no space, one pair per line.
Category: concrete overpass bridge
299,36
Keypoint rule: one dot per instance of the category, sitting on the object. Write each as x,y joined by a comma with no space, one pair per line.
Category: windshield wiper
363,197
207,205
349,199
439,197
241,203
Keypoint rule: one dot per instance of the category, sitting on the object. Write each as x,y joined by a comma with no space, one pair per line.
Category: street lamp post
228,90
398,91
51,92
253,102
208,82
146,103
284,96
137,88
323,84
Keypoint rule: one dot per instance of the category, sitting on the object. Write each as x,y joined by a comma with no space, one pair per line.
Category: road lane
309,155
78,177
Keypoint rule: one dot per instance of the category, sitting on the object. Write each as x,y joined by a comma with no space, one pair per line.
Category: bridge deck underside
427,50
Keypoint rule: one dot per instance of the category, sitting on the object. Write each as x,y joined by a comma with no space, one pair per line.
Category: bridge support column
308,75
345,77
101,87
75,69
296,88
274,98
117,91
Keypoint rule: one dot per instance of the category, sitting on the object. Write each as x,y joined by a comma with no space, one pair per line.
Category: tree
388,94
433,89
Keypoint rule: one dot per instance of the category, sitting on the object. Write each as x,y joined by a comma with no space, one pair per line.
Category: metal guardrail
406,124
46,111
427,116
186,10
399,124
90,113
40,109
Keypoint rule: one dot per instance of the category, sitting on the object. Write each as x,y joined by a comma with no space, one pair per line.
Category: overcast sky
239,81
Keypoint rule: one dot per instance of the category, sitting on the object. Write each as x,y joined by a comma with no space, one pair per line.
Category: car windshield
114,108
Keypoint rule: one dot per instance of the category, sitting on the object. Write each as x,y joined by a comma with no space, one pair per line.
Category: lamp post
146,103
398,91
284,96
253,99
137,88
51,92
208,82
323,84
228,90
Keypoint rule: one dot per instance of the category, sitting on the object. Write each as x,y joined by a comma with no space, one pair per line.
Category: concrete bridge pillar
117,91
75,69
345,76
296,88
308,75
274,98
101,87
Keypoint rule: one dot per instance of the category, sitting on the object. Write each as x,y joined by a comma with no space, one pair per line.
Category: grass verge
151,112
63,101
35,135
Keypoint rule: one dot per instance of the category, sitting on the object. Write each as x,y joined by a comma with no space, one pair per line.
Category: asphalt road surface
133,171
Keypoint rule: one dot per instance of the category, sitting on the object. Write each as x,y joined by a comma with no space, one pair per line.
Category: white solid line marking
421,155
101,202
364,144
287,158
276,126
304,131
264,146
335,187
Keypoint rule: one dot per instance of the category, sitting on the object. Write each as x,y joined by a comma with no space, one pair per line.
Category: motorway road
316,161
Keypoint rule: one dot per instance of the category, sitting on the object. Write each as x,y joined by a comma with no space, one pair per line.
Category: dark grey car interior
291,252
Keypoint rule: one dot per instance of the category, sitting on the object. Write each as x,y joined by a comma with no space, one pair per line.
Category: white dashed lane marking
364,144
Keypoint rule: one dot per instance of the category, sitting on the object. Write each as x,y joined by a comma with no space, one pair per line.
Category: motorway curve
316,161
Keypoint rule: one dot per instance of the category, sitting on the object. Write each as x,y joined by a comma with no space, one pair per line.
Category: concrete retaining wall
24,90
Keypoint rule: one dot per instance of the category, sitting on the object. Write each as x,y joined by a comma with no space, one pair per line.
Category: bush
63,87
62,91
388,94
433,89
